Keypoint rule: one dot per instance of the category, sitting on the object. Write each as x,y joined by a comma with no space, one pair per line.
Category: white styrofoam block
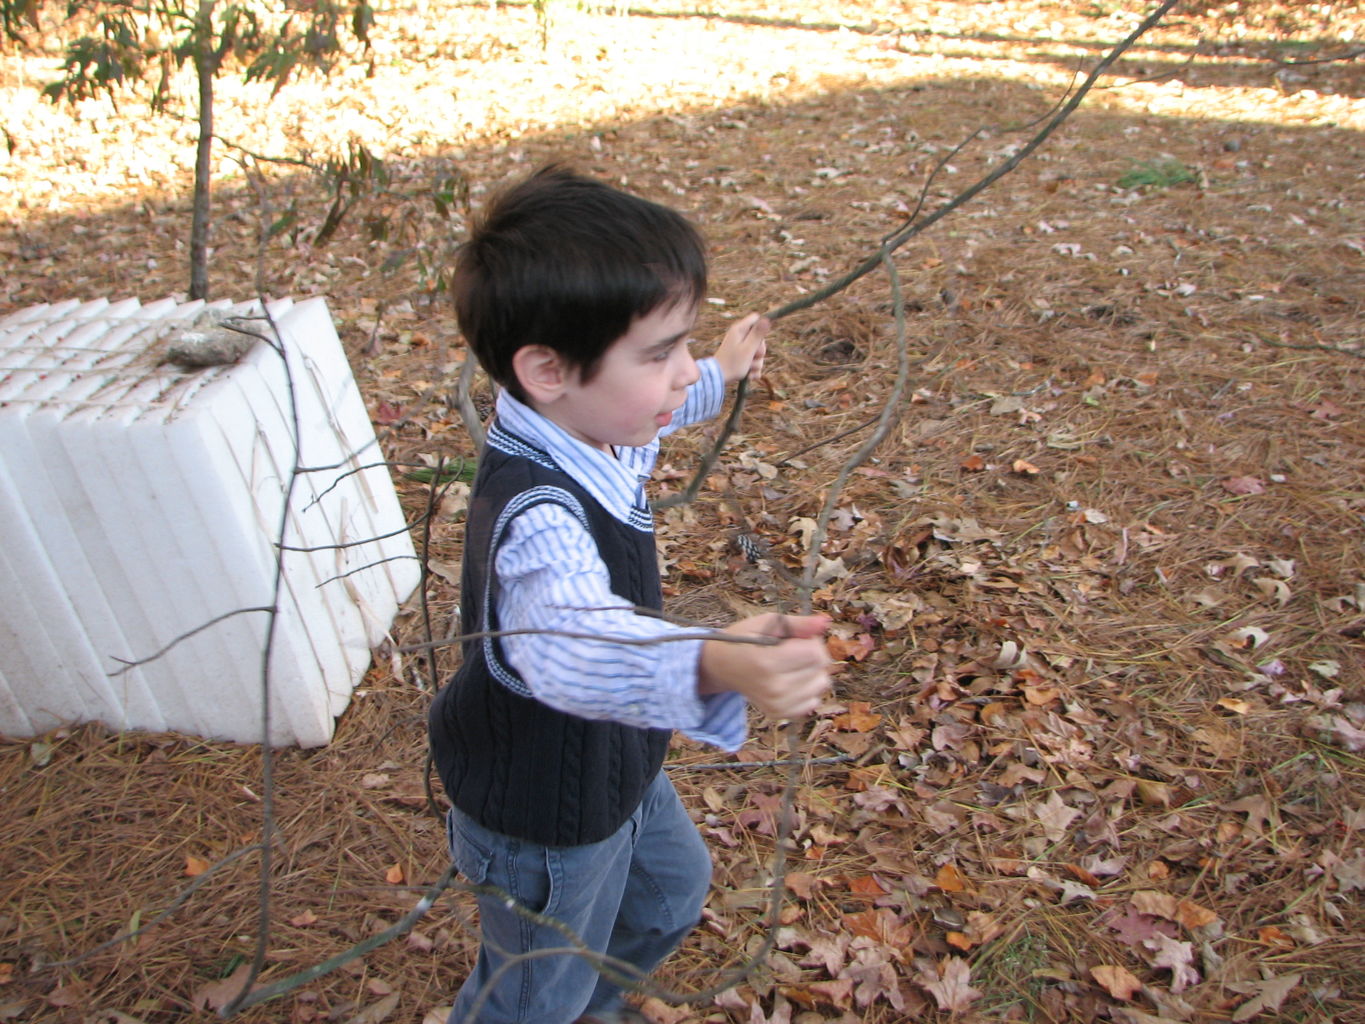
140,501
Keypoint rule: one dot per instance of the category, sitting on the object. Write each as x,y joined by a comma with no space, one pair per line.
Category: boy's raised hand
742,350
785,680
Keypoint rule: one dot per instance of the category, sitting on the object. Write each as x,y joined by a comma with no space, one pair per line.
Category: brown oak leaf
951,989
1119,982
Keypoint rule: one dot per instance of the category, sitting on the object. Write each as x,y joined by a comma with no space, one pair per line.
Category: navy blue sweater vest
513,764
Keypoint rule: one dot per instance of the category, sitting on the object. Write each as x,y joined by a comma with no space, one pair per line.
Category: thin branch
364,568
340,478
1349,55
404,925
276,341
688,494
350,543
763,640
180,899
912,228
434,494
1358,353
287,161
132,664
891,413
786,459
782,762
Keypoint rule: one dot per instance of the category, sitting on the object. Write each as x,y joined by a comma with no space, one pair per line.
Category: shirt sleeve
554,583
704,397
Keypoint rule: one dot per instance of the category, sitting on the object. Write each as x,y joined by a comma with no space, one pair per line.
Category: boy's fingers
754,329
802,627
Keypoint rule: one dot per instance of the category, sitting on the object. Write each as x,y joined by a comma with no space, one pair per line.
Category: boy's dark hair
569,262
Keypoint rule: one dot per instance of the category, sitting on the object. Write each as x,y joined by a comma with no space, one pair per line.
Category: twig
180,899
914,227
267,748
434,494
349,543
783,762
129,664
689,493
287,161
917,227
891,412
404,925
363,568
1358,353
606,638
786,459
385,465
1349,55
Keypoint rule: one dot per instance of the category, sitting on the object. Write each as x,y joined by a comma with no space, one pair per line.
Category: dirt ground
1095,748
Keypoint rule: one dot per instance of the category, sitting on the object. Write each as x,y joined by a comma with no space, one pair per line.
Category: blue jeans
633,896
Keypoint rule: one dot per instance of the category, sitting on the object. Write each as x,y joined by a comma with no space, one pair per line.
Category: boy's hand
741,352
785,680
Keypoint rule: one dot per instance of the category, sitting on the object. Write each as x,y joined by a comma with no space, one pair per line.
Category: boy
578,299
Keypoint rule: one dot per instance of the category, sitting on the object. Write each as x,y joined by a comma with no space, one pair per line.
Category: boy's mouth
664,419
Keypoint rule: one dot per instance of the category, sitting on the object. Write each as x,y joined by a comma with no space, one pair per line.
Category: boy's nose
688,372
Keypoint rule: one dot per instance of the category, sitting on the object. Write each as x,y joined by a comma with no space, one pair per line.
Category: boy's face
640,382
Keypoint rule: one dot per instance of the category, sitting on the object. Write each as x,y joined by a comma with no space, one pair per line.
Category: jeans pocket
470,852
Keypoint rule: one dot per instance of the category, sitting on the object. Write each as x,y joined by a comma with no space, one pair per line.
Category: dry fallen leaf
1158,904
1176,955
1192,915
951,989
1244,485
419,941
1056,817
195,866
958,940
657,1010
950,879
1154,793
1273,936
1119,982
217,994
1269,994
376,1012
854,648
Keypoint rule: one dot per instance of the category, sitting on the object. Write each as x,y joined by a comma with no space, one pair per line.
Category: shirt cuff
720,719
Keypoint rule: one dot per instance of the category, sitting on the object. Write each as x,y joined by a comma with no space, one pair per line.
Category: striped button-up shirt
553,580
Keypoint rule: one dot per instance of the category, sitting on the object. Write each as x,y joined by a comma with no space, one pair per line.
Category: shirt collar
615,482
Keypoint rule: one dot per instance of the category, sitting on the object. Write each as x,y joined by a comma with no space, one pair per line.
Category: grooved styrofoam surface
140,500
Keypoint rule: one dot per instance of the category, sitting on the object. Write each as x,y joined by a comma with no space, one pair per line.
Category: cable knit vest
511,763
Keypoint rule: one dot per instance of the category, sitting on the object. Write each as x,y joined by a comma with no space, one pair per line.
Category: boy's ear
541,371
